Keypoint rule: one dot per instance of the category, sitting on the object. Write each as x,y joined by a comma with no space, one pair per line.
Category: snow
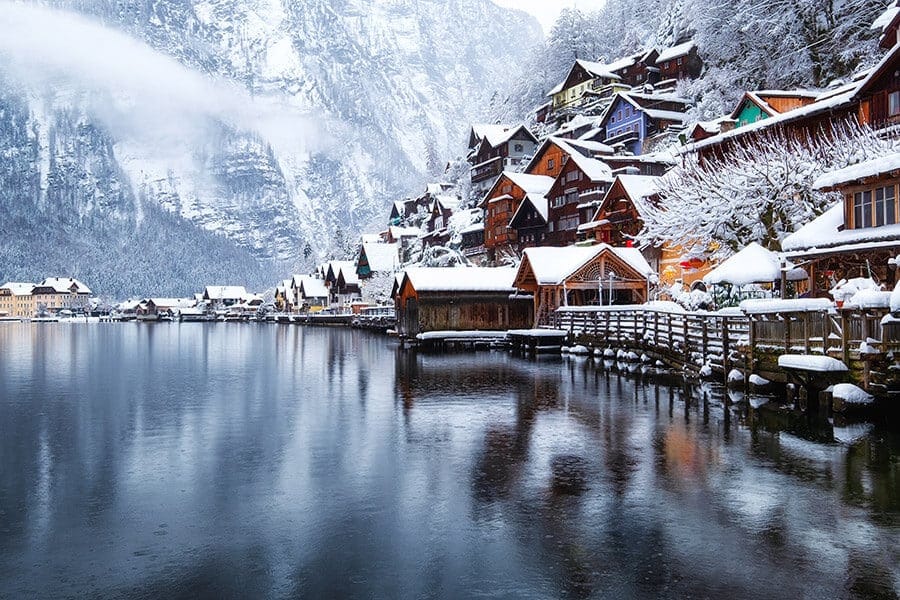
735,376
753,264
18,288
825,232
311,287
537,185
851,394
224,292
461,279
381,256
461,335
596,170
852,433
853,173
870,299
664,306
807,362
638,187
64,285
580,350
538,202
884,20
895,299
539,332
604,71
763,306
758,381
676,51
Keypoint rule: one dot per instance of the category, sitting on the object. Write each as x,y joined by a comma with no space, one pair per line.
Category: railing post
787,333
705,340
806,330
725,344
686,340
655,330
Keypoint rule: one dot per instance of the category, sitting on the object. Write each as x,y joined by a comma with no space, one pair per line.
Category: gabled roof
224,292
64,285
538,202
496,135
636,187
172,302
593,69
460,279
536,185
333,268
553,265
761,99
644,103
312,287
18,288
569,147
885,65
347,274
380,256
481,131
676,51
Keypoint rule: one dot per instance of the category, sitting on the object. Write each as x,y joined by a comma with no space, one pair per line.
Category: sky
546,11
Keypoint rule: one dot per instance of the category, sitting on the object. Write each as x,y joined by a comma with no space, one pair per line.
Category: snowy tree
760,191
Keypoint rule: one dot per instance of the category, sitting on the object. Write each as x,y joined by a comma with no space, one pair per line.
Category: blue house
635,119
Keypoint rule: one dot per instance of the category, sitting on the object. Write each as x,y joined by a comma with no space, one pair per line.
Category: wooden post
725,342
705,339
787,334
806,331
685,341
655,330
845,337
751,326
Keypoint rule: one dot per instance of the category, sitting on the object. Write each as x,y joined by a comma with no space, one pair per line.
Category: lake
275,461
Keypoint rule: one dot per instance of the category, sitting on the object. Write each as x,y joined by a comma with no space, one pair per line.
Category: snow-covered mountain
156,145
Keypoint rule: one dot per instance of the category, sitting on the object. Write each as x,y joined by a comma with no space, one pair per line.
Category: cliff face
157,145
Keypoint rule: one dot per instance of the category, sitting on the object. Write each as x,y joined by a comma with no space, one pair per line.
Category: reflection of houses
377,257
459,299
502,202
497,148
581,276
16,300
859,235
57,293
223,296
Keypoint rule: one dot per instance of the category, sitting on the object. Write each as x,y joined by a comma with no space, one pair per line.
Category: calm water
263,461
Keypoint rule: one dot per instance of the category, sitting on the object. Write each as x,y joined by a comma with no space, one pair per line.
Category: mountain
158,145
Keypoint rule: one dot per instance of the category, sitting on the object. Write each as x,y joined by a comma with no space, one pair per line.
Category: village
543,242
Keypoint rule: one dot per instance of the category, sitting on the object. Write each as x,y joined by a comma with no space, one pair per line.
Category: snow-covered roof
18,288
602,70
869,168
582,146
538,201
537,185
596,170
753,264
552,265
312,287
461,279
64,285
172,302
886,18
224,292
676,51
490,132
639,186
401,232
348,272
825,232
381,256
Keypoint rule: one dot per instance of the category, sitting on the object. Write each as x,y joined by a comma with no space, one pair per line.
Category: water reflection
232,460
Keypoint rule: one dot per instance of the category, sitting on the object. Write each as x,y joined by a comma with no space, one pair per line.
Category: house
164,307
636,120
860,235
529,222
681,61
582,77
889,25
581,276
218,297
500,205
346,287
310,293
878,94
553,152
61,293
285,298
497,148
377,257
434,231
574,196
459,299
762,104
472,241
618,216
17,300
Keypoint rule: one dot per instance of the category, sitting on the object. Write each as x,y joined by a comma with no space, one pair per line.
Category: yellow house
17,300
57,293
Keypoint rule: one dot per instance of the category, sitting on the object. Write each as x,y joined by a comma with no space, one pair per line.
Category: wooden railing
685,338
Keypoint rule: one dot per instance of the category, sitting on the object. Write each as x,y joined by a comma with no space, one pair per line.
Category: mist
139,93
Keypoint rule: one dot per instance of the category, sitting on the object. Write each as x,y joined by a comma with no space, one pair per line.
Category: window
550,163
862,209
507,189
679,61
573,175
885,206
894,104
666,65
518,148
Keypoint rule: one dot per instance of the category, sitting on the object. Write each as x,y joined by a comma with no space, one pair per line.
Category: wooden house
553,152
582,276
285,297
459,299
435,232
502,202
346,287
681,61
889,25
497,148
878,95
762,104
529,222
574,196
584,75
311,294
472,241
618,217
635,120
860,235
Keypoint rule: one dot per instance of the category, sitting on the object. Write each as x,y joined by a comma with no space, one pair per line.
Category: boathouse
582,276
459,299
